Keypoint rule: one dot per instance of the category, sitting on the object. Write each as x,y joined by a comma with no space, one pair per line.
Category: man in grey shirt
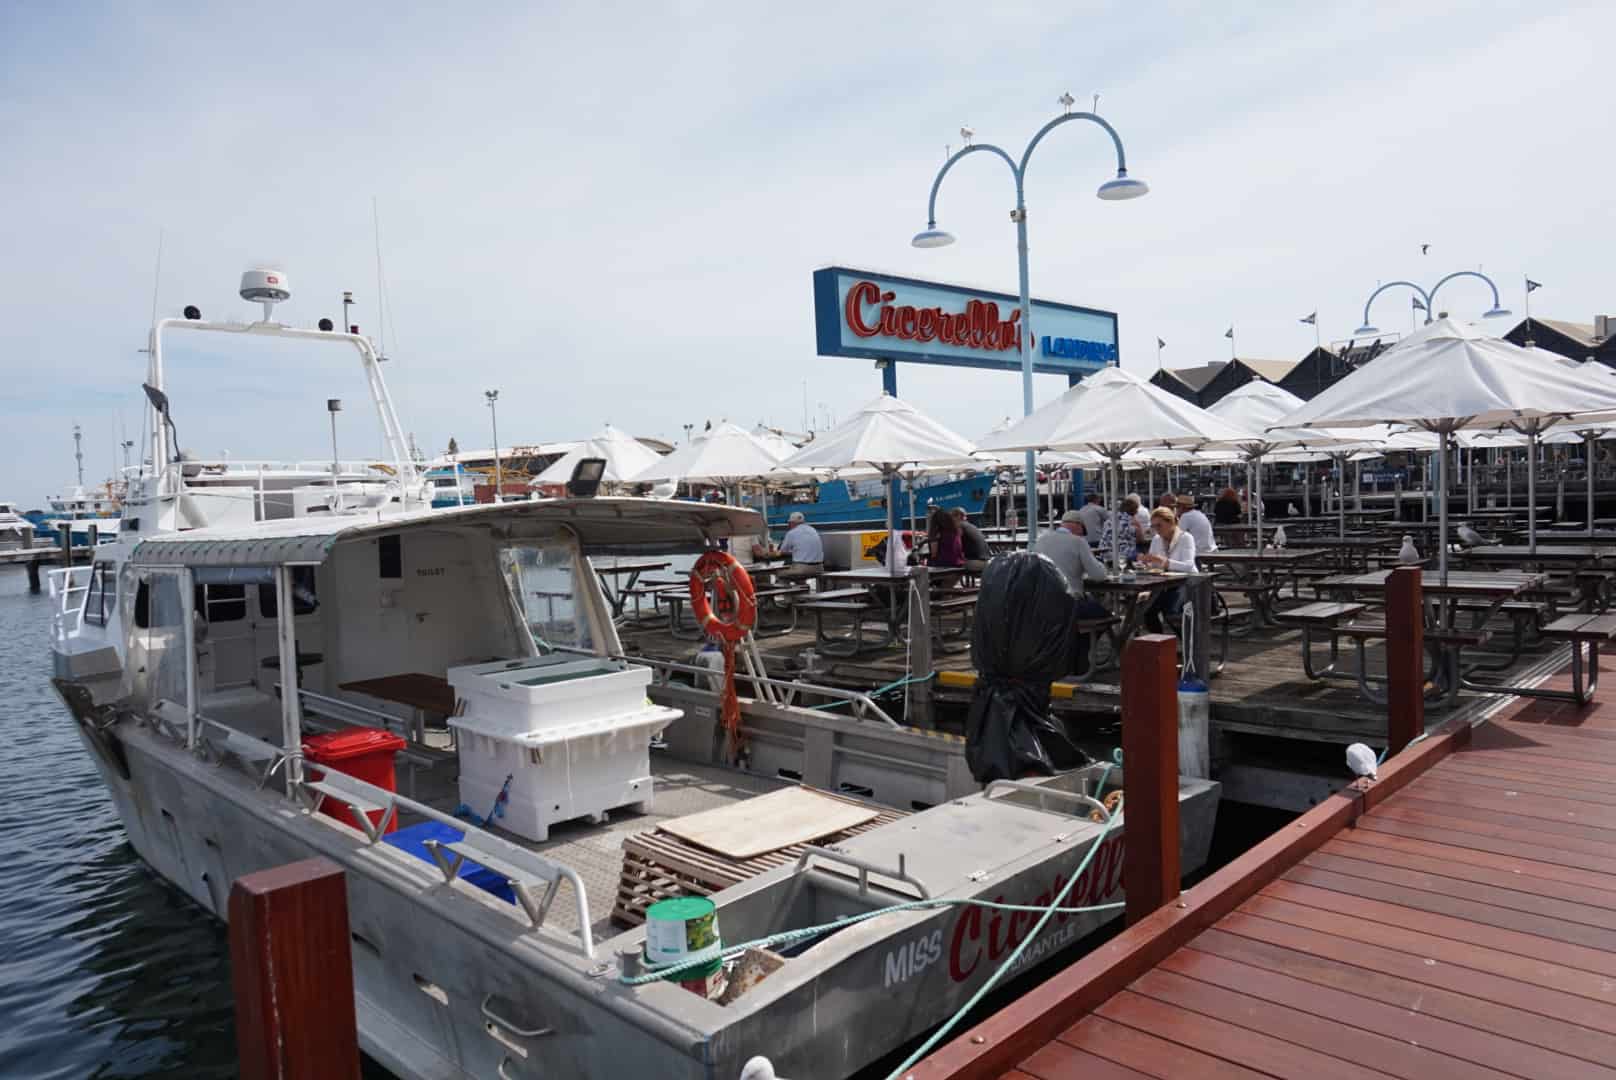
1066,547
1092,515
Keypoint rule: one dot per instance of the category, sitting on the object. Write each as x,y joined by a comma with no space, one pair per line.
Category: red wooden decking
1457,919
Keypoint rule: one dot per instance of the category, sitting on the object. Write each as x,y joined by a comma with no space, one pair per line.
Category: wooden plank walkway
1457,918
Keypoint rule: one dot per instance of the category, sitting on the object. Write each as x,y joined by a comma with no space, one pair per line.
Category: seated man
977,552
1066,547
805,549
1093,516
1196,523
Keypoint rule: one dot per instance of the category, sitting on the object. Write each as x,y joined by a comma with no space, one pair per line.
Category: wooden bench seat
1593,628
1579,630
1319,613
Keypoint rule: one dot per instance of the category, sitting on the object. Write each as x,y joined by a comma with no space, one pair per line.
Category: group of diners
952,541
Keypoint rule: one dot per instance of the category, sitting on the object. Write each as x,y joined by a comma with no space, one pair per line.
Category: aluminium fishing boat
474,650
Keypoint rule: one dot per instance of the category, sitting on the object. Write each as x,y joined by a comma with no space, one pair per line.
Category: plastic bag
1020,643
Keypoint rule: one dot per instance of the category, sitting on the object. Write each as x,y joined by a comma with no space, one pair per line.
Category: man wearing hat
803,546
1066,547
1197,524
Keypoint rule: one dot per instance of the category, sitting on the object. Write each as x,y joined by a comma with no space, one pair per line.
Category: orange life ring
732,587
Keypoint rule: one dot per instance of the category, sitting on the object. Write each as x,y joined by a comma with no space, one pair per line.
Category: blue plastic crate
414,838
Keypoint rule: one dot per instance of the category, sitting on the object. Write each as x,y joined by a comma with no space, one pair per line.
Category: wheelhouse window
222,603
543,581
304,598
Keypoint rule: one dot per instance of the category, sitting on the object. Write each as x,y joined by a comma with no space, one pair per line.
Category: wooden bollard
1405,658
292,970
1150,874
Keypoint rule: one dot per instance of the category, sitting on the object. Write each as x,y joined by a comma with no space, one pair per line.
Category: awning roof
602,525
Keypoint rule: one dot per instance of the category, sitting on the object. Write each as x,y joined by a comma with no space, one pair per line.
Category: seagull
1471,538
1424,248
967,134
1361,760
1408,553
760,1068
1067,100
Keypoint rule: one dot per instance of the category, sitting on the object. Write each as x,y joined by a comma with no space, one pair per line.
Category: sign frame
828,319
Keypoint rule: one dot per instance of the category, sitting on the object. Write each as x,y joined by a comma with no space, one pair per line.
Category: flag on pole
1311,320
1160,344
1531,285
1229,333
1418,306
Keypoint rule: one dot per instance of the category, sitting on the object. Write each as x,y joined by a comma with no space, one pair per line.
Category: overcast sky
612,213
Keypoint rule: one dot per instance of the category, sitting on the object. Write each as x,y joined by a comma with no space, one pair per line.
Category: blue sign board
859,313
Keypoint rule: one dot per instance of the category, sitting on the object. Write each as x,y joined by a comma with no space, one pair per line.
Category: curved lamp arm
931,203
1122,158
1425,296
1466,273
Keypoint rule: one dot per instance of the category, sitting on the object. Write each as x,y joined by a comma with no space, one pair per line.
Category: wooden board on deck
768,822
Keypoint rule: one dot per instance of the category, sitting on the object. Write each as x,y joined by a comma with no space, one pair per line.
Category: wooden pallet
658,865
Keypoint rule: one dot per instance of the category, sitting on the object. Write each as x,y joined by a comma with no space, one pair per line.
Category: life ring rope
736,601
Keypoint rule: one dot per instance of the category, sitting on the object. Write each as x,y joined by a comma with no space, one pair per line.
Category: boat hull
837,506
433,961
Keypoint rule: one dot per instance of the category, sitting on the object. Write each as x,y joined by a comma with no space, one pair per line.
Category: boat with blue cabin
864,502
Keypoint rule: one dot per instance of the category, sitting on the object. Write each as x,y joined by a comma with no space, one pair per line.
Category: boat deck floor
595,852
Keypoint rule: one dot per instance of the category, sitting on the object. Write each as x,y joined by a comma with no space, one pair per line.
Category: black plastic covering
1020,643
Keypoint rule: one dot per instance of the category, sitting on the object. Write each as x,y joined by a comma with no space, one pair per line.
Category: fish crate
537,692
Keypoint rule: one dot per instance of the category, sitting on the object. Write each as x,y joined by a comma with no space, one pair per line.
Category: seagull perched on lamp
967,134
1066,101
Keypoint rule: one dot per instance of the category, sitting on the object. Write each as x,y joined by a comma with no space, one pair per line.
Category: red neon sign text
979,326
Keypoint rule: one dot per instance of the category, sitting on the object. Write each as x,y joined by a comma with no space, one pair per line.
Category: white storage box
515,697
561,772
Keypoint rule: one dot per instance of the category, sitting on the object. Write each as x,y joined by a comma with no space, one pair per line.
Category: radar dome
265,286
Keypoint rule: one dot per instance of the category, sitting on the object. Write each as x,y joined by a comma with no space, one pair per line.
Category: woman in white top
1171,549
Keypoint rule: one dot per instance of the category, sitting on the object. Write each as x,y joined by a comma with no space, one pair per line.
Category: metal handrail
394,803
861,701
865,869
1042,792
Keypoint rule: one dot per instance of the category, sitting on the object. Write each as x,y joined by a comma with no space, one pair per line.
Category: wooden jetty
1455,917
33,558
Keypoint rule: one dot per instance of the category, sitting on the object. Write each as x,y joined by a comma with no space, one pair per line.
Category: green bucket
682,929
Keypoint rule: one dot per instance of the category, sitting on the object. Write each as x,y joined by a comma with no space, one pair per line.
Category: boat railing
68,584
534,879
863,706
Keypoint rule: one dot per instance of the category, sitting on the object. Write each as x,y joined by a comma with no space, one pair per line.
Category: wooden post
64,532
1405,658
33,575
292,970
1150,875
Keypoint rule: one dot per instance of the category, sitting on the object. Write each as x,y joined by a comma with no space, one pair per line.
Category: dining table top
1268,553
1484,583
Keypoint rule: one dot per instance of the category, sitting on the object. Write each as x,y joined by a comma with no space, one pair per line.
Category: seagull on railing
1361,760
967,134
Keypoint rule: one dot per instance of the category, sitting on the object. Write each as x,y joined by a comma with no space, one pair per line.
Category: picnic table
1353,549
1256,573
1588,564
421,692
894,585
617,593
1444,640
1128,590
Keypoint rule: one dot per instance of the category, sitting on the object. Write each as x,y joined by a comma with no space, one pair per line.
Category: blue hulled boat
864,502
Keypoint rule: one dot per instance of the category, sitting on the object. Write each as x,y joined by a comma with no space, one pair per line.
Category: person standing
1226,511
1066,547
1093,516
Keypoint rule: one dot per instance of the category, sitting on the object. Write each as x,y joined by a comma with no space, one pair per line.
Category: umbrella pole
1116,533
1531,490
1509,482
1256,494
1340,503
1442,505
1588,465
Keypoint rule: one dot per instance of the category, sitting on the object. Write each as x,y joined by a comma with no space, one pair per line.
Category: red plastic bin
362,753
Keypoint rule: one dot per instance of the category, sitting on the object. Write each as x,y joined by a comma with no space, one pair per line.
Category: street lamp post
492,396
1121,187
1428,298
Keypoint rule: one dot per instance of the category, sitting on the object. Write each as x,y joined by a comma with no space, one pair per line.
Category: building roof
1196,378
1581,333
1272,370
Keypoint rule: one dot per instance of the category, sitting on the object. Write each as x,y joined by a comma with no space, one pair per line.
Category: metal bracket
865,869
1045,792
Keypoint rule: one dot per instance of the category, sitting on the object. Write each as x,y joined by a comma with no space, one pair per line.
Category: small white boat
15,530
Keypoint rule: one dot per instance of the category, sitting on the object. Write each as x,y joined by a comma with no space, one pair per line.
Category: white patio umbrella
777,443
728,455
1259,407
1113,412
887,435
1448,377
625,456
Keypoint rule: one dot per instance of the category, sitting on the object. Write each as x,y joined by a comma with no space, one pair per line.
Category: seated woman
1226,511
1171,549
943,539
